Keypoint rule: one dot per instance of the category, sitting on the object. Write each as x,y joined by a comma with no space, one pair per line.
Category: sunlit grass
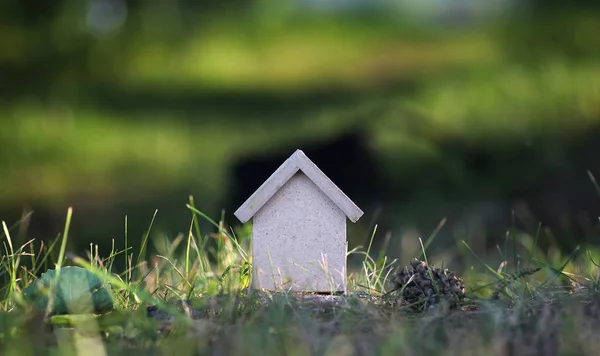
466,87
305,58
200,265
61,149
515,100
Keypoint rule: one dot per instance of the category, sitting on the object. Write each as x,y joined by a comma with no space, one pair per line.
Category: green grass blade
435,285
594,182
535,241
432,237
218,226
481,261
60,261
513,235
128,277
559,271
371,242
196,224
142,253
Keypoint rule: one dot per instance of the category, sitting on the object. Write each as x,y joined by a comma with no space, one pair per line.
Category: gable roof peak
298,161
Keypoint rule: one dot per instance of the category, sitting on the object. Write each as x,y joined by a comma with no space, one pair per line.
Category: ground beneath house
558,323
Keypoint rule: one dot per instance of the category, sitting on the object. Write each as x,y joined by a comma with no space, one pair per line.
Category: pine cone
422,289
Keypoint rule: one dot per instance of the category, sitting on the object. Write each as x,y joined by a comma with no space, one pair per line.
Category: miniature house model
299,229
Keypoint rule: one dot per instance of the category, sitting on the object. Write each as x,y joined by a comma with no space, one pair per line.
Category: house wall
300,224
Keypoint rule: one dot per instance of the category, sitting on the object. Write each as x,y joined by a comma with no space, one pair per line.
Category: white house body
299,229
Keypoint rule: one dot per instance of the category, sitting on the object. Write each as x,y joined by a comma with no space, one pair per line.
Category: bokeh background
482,113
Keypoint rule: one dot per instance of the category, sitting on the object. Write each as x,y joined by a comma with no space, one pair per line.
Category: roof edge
297,161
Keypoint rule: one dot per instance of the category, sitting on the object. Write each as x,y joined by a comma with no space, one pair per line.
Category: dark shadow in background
545,181
346,159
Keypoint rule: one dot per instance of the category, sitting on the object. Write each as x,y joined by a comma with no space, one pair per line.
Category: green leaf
77,291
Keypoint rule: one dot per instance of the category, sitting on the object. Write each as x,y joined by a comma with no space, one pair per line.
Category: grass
524,300
304,57
467,84
534,302
509,106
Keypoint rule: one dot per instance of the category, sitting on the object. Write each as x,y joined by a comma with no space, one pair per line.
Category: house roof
297,161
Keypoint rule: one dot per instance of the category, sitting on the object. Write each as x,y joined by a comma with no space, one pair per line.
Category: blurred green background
460,109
